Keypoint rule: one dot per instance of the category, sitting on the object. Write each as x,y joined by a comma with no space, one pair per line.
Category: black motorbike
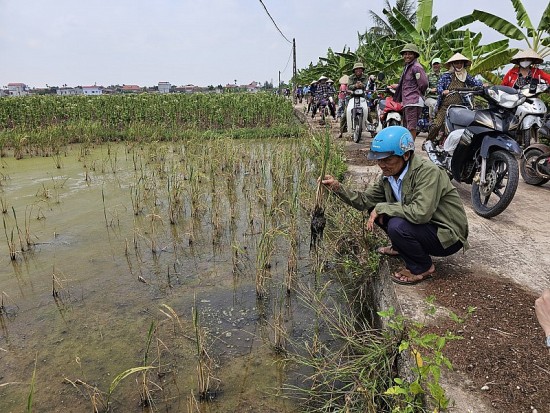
534,164
480,149
424,122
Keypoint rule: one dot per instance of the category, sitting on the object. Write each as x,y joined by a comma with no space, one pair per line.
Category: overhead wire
288,61
277,27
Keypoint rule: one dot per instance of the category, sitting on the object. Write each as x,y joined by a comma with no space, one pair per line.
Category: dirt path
500,362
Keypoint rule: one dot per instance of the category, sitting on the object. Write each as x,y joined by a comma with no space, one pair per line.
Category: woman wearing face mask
524,70
456,77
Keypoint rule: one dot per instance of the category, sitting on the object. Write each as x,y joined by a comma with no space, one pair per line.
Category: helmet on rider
358,68
526,58
322,78
372,78
330,81
410,47
393,140
436,61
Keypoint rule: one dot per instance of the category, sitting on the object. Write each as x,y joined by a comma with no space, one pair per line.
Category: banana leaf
521,15
424,14
499,24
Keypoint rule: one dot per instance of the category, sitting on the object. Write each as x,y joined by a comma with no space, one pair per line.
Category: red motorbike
389,111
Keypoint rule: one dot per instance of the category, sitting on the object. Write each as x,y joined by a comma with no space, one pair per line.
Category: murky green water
128,236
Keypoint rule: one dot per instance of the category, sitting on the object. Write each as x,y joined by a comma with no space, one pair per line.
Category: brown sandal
411,278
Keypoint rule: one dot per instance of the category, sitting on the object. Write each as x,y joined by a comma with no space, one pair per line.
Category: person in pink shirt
342,93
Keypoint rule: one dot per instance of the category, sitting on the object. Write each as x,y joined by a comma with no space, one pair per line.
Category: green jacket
352,80
427,196
433,78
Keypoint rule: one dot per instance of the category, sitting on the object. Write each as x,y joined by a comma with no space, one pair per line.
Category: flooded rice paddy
106,251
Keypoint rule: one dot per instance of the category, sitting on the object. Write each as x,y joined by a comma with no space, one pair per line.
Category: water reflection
125,236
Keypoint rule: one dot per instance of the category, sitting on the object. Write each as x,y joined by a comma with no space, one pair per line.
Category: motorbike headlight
358,92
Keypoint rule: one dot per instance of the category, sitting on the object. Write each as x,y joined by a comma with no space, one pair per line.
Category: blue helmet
393,140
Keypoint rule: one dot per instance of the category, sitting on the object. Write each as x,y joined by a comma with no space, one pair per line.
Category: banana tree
428,38
334,65
485,58
536,38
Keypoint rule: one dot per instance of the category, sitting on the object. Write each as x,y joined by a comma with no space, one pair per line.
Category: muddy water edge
116,245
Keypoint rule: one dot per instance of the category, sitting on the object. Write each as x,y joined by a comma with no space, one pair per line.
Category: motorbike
357,113
424,122
389,111
536,156
531,113
372,117
323,107
480,149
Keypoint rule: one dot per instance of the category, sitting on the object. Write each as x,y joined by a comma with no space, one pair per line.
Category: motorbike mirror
381,76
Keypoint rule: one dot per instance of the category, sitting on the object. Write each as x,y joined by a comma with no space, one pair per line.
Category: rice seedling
23,248
30,397
3,205
9,241
204,361
279,327
192,404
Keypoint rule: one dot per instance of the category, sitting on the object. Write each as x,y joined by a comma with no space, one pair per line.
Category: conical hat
344,80
529,54
456,58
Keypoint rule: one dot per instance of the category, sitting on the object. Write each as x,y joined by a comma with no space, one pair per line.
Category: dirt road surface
500,364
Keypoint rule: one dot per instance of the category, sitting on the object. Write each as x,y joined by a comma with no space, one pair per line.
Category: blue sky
199,42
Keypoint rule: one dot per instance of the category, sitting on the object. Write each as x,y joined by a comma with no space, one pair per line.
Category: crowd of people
417,89
414,201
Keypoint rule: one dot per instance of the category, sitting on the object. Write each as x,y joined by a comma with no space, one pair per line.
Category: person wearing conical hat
457,76
342,94
525,69
324,89
411,87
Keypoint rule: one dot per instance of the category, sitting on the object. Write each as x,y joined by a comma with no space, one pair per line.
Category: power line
277,27
288,61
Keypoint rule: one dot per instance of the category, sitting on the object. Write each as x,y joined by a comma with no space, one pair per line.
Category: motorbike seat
460,115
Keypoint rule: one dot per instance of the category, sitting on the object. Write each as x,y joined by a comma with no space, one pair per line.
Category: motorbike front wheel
529,136
527,167
358,129
502,178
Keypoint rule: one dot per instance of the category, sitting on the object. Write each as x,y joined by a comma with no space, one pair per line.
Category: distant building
252,87
69,91
131,89
188,89
164,87
92,90
18,89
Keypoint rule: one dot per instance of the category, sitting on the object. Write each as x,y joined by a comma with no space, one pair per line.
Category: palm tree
536,38
381,27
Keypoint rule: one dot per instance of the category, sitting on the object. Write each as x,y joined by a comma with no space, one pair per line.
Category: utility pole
294,70
279,88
